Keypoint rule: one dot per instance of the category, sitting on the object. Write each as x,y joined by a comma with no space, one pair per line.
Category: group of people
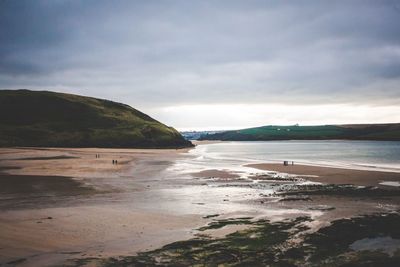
286,163
114,161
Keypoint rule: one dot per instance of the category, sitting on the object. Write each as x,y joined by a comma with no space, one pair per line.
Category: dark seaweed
269,244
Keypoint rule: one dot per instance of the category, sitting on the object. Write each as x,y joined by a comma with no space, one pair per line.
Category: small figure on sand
286,163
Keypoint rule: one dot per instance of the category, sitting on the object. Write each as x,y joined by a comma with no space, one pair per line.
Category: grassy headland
382,132
42,118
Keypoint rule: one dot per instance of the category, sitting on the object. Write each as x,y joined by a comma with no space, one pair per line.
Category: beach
64,205
331,175
66,202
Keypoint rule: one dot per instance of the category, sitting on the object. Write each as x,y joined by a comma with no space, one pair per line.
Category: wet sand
62,204
58,204
222,174
35,184
49,235
331,175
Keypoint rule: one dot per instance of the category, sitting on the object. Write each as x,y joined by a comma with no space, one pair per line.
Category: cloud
170,53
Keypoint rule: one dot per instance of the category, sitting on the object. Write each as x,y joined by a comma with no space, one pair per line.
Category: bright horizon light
240,116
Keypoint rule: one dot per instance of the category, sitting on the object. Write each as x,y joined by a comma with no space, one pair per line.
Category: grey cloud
171,52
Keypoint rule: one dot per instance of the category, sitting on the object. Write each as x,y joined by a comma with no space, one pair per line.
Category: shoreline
331,175
340,165
206,142
354,166
87,207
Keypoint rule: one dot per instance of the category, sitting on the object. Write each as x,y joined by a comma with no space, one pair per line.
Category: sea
363,155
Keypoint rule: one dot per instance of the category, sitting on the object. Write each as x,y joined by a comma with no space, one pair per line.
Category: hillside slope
323,132
42,118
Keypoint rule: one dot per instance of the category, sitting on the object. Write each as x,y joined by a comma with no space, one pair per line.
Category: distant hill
323,132
42,118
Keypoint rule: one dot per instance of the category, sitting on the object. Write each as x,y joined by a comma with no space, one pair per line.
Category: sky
204,65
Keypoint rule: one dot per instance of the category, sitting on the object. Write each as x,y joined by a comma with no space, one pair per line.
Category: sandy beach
59,205
67,202
330,175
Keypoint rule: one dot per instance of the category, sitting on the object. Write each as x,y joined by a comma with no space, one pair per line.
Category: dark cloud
171,52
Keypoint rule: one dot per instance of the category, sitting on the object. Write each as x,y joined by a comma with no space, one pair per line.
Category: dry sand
75,162
332,175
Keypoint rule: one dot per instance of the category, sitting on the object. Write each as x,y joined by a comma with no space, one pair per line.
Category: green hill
42,118
323,132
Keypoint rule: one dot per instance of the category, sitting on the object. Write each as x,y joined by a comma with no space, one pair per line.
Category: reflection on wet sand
73,205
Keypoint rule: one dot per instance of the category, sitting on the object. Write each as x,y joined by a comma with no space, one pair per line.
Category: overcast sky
212,64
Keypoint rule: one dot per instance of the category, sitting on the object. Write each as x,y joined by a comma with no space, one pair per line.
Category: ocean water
365,155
